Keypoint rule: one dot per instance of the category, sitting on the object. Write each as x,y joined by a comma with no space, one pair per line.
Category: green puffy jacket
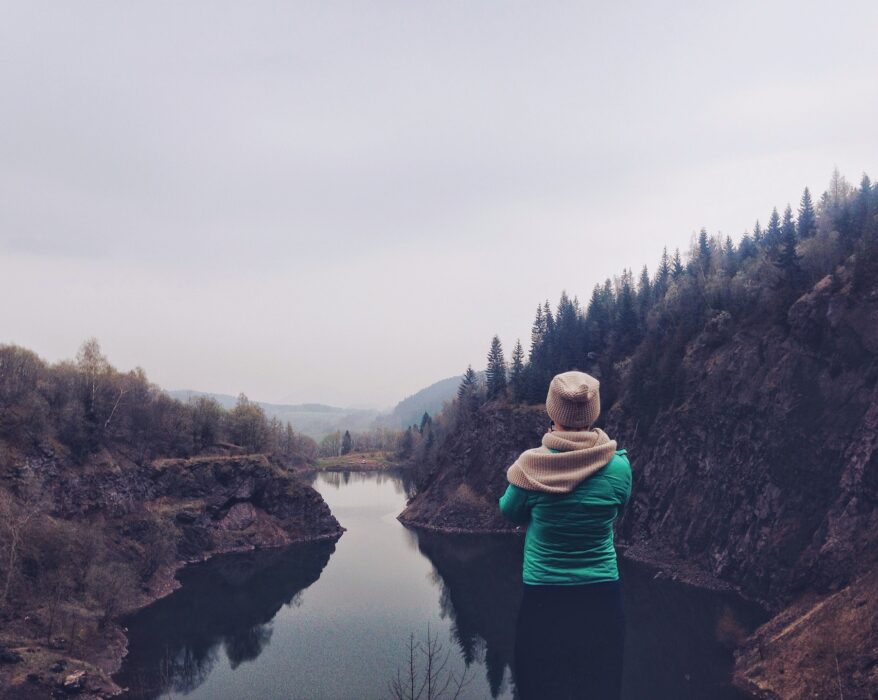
570,535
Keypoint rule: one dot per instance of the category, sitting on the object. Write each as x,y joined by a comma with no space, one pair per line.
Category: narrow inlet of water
334,620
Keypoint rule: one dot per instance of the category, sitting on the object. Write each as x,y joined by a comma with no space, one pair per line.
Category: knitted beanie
574,400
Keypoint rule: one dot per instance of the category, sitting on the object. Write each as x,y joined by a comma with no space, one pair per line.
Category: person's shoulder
619,464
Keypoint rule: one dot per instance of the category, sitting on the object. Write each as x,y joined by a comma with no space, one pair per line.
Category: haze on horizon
343,203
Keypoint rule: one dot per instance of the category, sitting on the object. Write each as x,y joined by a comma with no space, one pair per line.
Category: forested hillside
742,378
108,485
429,400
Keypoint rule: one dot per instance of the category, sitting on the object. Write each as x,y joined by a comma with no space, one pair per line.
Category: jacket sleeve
515,504
624,482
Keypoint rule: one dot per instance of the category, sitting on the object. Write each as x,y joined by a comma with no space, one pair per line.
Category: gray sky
343,202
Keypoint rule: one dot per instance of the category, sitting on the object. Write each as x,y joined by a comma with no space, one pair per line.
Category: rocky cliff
460,491
762,472
765,470
139,523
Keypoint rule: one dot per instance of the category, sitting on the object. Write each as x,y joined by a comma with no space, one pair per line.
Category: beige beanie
574,400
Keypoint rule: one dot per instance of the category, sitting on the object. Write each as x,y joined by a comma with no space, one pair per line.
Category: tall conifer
772,232
495,374
807,223
704,251
662,275
677,268
516,373
644,293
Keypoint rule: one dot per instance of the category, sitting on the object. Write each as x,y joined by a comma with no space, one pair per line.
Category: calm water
328,620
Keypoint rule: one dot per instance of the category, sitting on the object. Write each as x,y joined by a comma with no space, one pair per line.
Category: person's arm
515,504
624,480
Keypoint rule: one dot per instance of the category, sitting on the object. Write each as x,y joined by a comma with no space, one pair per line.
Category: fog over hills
317,420
313,419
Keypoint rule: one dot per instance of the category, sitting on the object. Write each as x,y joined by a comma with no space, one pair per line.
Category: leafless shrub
426,674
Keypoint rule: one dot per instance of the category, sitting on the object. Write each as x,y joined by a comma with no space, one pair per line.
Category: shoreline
108,651
665,566
170,583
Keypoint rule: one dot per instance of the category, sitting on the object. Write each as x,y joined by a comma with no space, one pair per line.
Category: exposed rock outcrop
151,519
460,494
765,470
762,473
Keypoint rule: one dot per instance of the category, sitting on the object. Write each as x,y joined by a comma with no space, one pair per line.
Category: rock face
152,518
818,647
763,472
462,491
233,503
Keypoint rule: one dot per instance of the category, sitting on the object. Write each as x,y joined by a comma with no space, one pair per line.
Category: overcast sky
343,202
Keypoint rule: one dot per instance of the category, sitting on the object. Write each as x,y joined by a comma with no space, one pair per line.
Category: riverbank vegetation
84,405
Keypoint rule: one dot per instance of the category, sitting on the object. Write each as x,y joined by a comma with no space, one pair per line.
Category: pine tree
516,375
426,421
597,319
772,233
758,235
644,294
786,259
347,442
550,320
468,384
730,257
609,296
537,333
807,223
677,268
663,275
496,371
704,251
564,351
627,326
746,248
728,247
865,207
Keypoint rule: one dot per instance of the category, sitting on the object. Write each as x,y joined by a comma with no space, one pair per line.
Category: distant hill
318,420
313,419
431,400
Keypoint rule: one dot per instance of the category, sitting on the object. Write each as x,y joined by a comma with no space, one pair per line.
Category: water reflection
400,480
479,591
679,639
347,636
226,603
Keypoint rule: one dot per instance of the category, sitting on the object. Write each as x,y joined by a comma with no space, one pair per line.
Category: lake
335,620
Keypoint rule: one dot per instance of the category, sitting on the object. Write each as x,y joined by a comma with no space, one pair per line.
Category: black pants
569,642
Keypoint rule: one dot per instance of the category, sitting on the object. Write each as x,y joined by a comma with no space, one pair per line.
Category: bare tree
426,675
16,516
110,585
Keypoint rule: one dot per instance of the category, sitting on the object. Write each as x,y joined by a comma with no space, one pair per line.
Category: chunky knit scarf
566,459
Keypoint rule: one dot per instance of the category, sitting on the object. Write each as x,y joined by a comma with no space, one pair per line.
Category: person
570,630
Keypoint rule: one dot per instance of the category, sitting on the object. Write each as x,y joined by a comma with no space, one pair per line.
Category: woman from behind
568,492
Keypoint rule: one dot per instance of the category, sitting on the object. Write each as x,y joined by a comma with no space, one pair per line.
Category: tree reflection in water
678,642
401,479
227,602
479,579
679,638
